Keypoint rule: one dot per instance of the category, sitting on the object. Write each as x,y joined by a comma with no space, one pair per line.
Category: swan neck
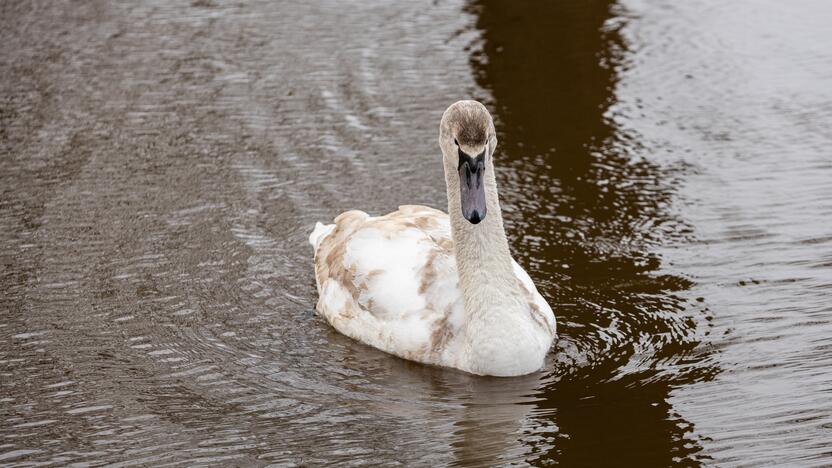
482,253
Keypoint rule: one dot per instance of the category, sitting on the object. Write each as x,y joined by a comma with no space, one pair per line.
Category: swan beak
472,187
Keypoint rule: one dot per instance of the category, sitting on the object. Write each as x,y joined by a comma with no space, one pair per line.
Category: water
666,177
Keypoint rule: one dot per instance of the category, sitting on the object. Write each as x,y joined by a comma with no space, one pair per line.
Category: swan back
391,282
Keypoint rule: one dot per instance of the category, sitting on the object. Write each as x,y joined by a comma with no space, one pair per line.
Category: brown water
667,181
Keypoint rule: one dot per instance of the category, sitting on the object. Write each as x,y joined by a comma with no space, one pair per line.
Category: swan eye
456,142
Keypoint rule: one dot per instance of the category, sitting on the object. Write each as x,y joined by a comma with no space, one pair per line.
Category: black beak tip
475,217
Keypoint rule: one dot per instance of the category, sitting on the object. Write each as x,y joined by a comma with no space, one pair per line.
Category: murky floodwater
667,181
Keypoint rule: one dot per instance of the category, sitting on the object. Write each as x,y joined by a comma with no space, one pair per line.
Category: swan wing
391,282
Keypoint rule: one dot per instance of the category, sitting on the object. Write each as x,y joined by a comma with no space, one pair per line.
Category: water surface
666,180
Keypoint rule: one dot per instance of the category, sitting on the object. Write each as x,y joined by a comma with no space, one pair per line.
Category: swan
438,288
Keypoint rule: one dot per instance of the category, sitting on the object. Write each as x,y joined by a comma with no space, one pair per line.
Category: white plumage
402,284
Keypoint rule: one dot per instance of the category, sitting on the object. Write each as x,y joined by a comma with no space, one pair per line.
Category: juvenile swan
434,288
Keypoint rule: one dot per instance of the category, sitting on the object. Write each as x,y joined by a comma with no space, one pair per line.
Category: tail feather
321,230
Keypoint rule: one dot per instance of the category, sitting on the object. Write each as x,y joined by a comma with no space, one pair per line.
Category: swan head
467,139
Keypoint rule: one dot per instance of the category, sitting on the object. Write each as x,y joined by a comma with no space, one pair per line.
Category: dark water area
586,212
666,179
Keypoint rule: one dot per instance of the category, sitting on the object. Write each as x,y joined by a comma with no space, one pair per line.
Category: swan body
437,288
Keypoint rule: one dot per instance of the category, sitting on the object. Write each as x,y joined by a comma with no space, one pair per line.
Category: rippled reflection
586,212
